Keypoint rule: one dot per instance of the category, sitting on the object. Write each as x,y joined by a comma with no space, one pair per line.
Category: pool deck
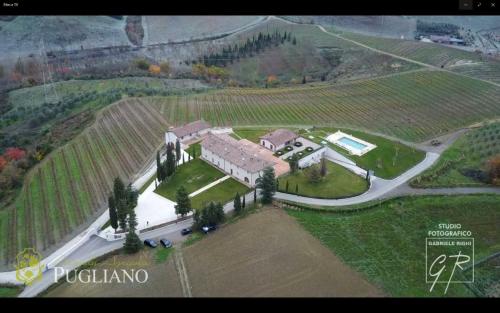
338,136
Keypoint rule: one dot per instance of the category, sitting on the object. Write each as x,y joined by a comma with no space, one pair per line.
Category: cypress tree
323,170
183,206
243,202
237,204
159,169
132,242
267,185
297,189
113,218
170,162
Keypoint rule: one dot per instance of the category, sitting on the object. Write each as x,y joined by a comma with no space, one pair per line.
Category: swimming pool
352,143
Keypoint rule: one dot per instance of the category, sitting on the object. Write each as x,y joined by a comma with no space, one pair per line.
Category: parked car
166,243
150,243
208,228
186,231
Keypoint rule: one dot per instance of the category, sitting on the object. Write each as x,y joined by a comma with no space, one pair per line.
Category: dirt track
268,254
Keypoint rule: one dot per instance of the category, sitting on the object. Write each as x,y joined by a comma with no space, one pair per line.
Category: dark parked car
150,243
209,228
166,243
186,231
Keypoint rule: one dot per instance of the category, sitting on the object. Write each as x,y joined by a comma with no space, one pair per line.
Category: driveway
378,187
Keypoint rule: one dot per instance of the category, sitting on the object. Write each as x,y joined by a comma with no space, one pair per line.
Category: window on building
246,180
231,171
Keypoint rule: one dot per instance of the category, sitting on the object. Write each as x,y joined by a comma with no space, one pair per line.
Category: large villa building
187,132
242,159
278,139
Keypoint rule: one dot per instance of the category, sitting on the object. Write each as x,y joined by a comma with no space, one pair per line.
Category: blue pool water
352,143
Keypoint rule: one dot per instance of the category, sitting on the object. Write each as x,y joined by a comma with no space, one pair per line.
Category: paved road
97,246
378,187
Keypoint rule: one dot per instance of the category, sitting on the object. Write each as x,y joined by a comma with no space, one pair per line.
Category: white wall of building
230,168
312,158
269,145
171,137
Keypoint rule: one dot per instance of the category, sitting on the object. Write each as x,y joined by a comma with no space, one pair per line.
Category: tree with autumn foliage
154,69
14,154
272,80
493,170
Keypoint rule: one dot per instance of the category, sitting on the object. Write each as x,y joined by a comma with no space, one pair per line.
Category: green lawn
338,183
196,148
162,254
252,134
387,241
193,176
9,291
469,152
222,192
389,159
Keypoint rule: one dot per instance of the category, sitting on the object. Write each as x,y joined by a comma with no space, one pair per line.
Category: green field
338,183
28,99
389,159
412,106
387,242
468,153
193,175
223,192
9,291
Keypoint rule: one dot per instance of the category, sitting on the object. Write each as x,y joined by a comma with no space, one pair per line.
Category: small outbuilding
187,132
278,139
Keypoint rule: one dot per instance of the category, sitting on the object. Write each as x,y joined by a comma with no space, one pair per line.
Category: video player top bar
254,7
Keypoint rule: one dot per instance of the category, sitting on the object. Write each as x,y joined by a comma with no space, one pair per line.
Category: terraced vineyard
413,106
489,70
430,53
72,184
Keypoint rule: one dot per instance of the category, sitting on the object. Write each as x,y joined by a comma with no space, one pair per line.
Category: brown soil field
163,280
268,254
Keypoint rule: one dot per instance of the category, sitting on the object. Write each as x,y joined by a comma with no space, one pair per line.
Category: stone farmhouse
278,139
187,132
242,159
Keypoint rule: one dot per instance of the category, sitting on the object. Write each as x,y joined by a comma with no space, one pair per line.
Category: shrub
154,69
14,154
142,64
165,67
